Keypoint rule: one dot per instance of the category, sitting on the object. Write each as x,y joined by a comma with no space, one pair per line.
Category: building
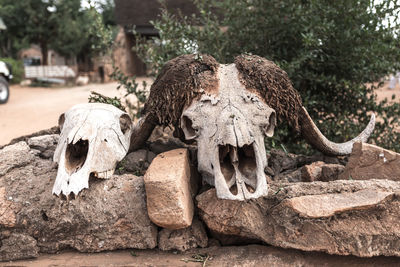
138,14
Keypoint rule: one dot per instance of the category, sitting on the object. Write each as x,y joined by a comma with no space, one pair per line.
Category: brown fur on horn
180,81
273,85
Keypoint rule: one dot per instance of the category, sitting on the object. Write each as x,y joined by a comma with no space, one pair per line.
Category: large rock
168,190
110,215
360,218
372,162
183,239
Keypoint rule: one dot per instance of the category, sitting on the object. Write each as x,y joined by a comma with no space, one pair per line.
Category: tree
53,24
335,52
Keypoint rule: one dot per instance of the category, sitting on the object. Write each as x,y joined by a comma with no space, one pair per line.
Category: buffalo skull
229,110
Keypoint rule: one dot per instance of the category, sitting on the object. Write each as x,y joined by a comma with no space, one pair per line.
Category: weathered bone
223,126
94,137
314,136
229,110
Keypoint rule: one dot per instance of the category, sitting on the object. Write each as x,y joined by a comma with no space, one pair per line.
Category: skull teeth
246,173
104,175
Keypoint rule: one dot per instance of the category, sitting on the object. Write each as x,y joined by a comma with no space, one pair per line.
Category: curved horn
314,136
141,132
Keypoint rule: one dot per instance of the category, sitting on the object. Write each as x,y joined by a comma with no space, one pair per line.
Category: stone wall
325,215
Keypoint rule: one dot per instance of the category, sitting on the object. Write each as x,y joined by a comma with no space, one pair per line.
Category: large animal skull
94,137
229,129
229,110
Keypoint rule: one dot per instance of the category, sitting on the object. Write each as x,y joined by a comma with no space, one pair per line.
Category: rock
168,190
331,172
110,215
150,157
18,246
183,239
320,171
312,172
372,162
163,145
7,208
360,218
281,163
14,156
45,144
136,162
289,176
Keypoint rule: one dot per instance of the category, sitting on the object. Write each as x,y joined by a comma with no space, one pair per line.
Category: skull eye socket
187,127
125,123
269,128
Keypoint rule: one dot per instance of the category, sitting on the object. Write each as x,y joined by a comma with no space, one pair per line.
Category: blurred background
342,56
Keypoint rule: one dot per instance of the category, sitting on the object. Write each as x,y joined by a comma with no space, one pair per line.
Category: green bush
332,51
17,69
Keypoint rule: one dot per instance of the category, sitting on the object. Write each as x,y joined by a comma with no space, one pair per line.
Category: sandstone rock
183,239
312,172
372,162
13,156
168,190
110,215
45,144
320,171
360,218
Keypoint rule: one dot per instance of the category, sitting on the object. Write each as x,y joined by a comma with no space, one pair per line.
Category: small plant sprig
95,97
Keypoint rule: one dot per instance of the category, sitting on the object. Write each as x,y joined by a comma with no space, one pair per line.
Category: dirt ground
233,256
31,109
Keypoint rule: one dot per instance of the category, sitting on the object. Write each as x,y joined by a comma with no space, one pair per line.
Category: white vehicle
5,77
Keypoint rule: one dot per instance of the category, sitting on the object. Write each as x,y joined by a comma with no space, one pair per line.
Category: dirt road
31,109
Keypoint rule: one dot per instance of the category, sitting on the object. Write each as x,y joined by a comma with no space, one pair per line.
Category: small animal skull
94,137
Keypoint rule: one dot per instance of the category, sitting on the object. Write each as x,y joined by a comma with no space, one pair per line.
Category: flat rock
110,215
183,239
372,162
360,218
168,190
14,156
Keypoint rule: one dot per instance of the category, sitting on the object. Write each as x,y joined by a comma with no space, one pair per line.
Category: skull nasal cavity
75,156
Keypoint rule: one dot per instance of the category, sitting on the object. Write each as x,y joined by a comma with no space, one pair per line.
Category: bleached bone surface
94,137
230,128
